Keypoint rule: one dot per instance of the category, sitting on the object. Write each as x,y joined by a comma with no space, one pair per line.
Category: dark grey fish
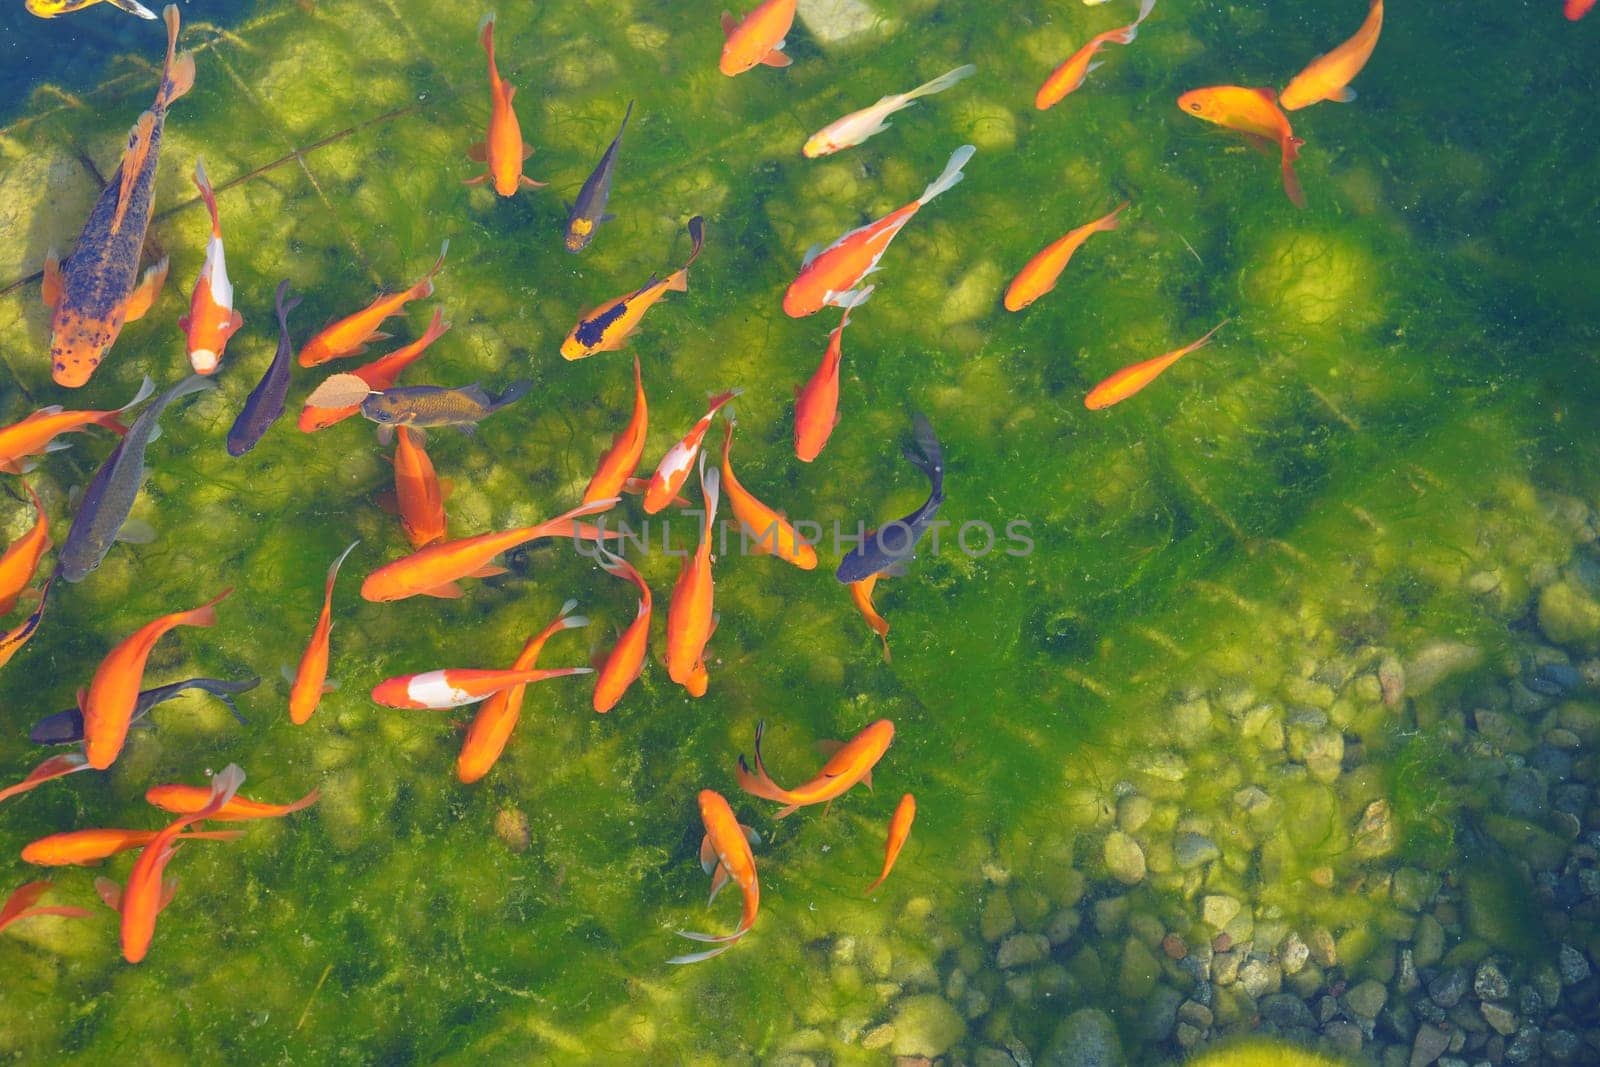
111,493
265,404
66,727
436,405
895,543
589,210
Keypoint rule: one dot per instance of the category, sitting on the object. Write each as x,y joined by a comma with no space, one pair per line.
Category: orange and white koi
847,764
758,38
49,9
1041,273
36,434
78,848
109,704
435,570
674,468
899,830
869,121
418,495
829,276
456,687
212,318
21,559
1067,78
504,151
816,404
492,726
618,465
379,375
19,905
12,640
146,893
350,334
861,596
725,855
94,293
310,680
1129,380
774,535
690,618
605,328
1256,114
625,662
1328,77
190,799
54,767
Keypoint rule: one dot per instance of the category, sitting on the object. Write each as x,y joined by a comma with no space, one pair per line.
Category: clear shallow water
1403,386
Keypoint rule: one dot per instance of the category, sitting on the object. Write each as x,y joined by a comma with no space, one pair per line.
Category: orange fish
21,561
1328,77
816,404
1069,76
54,767
212,318
861,596
690,621
455,687
492,726
191,799
899,830
830,275
773,534
36,434
504,151
94,293
434,571
1043,270
379,375
618,465
310,681
1256,114
758,39
418,496
350,334
1576,9
108,706
625,662
674,468
847,764
725,855
1129,380
78,848
146,893
605,328
11,641
19,905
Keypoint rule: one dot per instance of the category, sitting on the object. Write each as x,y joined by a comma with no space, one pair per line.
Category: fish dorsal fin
866,780
133,164
811,253
828,749
729,24
110,892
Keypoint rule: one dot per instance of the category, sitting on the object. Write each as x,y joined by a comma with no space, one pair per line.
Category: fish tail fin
942,82
486,35
928,456
711,487
177,72
147,387
696,957
1291,181
333,571
133,7
437,328
1129,32
1209,334
952,174
626,115
678,281
1114,219
203,183
424,286
566,524
205,614
304,802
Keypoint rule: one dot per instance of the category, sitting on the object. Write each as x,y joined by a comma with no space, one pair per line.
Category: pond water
1282,722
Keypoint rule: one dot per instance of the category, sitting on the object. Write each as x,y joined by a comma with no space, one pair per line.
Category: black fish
895,543
114,487
589,210
436,405
264,405
66,727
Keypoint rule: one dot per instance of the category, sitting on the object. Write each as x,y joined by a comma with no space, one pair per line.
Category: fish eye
383,416
1195,106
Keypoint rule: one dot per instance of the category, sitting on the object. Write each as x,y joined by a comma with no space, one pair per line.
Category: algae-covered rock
1437,662
1086,1038
1124,858
926,1025
1569,616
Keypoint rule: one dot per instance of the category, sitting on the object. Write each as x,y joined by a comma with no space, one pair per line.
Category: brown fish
94,291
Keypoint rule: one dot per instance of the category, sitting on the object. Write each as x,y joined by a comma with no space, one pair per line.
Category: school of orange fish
99,288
